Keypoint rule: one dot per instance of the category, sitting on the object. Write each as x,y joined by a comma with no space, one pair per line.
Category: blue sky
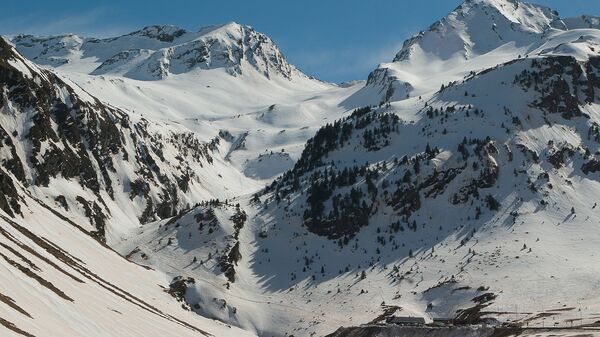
335,40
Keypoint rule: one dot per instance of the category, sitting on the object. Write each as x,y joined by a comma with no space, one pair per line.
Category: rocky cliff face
87,157
446,162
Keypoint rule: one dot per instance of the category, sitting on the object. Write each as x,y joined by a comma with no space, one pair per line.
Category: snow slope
64,158
463,188
161,180
495,217
56,280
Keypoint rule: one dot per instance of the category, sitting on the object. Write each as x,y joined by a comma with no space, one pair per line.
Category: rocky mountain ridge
155,52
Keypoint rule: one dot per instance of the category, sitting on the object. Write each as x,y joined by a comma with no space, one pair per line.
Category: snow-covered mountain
244,90
75,153
96,162
68,163
459,181
477,35
164,144
156,52
477,27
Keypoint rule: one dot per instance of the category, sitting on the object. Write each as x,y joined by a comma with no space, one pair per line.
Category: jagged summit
156,52
504,6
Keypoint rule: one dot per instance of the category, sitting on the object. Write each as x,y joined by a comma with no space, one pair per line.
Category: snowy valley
177,183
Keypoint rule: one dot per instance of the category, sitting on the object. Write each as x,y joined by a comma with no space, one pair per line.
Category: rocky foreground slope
68,160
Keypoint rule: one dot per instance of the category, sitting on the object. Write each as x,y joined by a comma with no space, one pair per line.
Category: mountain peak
479,26
155,52
232,24
505,7
515,10
164,33
473,29
229,30
502,5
